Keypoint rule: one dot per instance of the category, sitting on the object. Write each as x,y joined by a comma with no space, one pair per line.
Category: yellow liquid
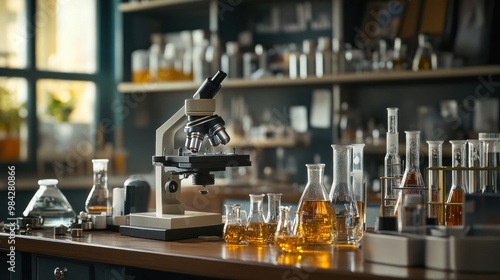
361,211
341,229
234,234
141,76
271,231
98,209
318,222
256,233
290,243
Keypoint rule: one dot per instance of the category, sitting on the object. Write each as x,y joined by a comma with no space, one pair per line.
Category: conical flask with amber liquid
318,223
454,203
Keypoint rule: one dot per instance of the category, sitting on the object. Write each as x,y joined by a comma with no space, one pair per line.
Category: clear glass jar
341,192
50,204
273,212
412,181
98,200
454,203
256,229
435,209
318,223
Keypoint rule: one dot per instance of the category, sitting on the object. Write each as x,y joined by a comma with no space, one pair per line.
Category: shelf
347,78
152,6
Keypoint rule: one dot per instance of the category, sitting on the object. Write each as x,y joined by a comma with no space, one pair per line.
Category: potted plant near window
10,125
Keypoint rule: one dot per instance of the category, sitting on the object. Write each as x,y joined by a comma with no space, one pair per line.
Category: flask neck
412,150
341,163
256,203
101,179
315,173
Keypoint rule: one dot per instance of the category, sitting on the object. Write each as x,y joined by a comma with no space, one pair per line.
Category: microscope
171,221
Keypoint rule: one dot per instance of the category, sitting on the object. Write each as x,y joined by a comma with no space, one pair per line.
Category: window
50,77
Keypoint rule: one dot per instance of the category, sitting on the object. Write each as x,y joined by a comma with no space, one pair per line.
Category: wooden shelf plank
347,78
130,7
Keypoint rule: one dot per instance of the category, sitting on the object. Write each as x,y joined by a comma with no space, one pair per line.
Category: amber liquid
425,64
319,224
290,243
234,234
454,212
141,76
256,233
98,209
271,231
435,207
361,211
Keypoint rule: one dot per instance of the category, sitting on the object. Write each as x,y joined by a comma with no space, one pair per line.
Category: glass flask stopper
98,201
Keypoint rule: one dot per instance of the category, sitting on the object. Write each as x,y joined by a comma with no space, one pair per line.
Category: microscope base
173,227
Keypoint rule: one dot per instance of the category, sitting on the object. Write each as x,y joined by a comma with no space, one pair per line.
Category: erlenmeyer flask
318,223
457,192
273,211
435,210
50,204
256,231
341,191
98,199
234,228
285,237
412,181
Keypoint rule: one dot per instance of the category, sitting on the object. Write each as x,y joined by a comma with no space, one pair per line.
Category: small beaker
98,199
256,229
287,237
234,227
273,212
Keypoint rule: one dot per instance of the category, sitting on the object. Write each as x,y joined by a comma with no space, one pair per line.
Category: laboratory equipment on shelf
170,221
273,206
435,152
454,203
392,162
318,224
425,57
412,180
49,206
491,158
341,194
98,200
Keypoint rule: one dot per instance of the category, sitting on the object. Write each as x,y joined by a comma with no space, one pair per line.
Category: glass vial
392,160
341,191
318,223
273,208
98,201
307,59
435,209
411,216
412,181
490,160
457,192
256,229
474,158
359,188
286,239
234,227
324,57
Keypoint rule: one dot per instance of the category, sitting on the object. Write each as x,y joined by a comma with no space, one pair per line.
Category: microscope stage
190,219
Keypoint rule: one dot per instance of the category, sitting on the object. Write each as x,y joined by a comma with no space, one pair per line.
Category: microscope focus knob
171,186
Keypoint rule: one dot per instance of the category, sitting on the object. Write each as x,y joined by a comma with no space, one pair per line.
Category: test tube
358,186
435,160
392,160
475,153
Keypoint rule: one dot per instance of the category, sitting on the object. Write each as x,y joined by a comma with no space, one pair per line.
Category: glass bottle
231,60
234,227
285,237
341,191
435,209
50,204
475,155
318,224
324,57
412,180
425,58
98,200
457,192
359,187
273,211
307,59
392,160
256,230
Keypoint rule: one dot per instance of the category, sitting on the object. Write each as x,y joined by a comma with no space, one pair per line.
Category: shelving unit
129,7
346,78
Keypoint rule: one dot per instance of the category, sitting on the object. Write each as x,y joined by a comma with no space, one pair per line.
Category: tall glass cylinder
456,196
475,155
490,160
341,192
392,160
435,210
256,231
359,187
273,208
98,201
318,223
412,180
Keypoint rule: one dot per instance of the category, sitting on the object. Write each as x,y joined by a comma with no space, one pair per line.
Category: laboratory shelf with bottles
367,91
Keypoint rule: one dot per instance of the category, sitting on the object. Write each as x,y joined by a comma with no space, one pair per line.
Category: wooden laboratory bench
213,259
